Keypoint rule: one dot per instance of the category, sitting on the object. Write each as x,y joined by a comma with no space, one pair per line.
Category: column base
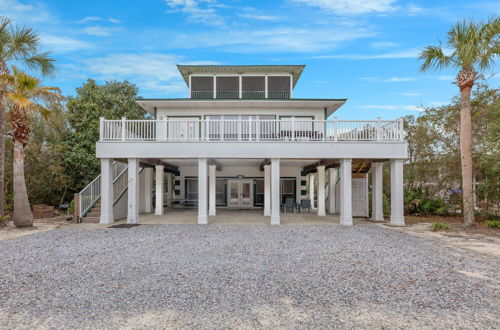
346,221
133,220
211,213
267,213
159,212
275,220
106,220
321,214
202,220
376,219
398,221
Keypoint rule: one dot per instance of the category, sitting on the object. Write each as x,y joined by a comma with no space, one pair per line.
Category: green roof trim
187,70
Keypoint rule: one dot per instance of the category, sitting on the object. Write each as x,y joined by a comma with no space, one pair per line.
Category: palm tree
472,48
24,97
17,45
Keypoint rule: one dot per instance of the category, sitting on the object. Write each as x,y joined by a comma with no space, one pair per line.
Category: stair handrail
89,195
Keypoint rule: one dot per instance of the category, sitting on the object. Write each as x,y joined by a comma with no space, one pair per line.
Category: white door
185,128
359,197
240,193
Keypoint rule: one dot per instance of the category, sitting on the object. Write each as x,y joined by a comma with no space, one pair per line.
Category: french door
240,193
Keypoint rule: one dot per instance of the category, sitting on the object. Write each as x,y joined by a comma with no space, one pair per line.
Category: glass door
240,193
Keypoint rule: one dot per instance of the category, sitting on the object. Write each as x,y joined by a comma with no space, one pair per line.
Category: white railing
92,192
284,130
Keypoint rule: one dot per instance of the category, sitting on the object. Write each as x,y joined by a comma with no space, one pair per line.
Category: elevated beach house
242,141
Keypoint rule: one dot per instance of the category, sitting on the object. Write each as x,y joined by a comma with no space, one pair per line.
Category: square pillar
170,188
211,189
267,190
106,191
275,191
332,180
321,191
346,192
397,203
133,191
311,189
377,195
159,189
202,192
148,190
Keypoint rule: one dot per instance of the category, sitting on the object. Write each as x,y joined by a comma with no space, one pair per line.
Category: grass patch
492,223
436,226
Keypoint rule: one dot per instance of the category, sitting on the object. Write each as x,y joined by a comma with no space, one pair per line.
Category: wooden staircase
94,214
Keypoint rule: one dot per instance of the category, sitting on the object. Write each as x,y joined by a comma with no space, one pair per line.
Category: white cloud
63,44
383,44
392,107
260,17
412,94
297,40
352,7
410,53
390,79
99,19
100,31
22,12
198,11
150,71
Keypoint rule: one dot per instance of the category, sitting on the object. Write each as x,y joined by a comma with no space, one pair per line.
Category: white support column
266,87
275,191
377,196
211,189
312,188
148,190
397,204
267,190
202,191
159,189
321,191
215,86
170,188
133,191
334,175
106,191
346,192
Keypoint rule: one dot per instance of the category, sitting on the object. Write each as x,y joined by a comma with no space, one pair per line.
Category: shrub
436,226
416,201
493,223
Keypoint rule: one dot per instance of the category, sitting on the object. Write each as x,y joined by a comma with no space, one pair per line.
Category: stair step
96,209
90,220
93,214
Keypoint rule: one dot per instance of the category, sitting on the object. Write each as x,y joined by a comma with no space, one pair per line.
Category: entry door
240,193
359,197
185,128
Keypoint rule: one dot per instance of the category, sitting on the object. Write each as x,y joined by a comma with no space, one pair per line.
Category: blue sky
363,50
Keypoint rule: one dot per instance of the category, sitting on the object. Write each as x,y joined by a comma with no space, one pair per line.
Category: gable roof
186,70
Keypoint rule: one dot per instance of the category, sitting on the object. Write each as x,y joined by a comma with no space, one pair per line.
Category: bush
493,223
419,203
436,226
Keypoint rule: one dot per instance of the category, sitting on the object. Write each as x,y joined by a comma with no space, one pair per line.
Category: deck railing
251,130
225,95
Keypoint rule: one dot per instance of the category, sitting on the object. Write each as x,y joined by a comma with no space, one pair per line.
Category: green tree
17,45
112,100
24,96
474,47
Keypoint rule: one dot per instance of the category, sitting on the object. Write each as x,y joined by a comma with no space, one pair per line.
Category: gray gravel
190,276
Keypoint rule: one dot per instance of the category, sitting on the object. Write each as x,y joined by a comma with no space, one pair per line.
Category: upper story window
245,87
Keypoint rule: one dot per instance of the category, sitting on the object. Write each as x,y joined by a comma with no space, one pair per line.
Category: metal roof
187,70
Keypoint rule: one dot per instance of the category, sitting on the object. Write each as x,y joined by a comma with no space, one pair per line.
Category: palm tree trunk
2,156
466,154
22,215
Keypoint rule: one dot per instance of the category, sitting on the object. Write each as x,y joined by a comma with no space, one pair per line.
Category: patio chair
289,204
305,204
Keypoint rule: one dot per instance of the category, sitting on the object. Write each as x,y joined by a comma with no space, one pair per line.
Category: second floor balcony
251,130
232,95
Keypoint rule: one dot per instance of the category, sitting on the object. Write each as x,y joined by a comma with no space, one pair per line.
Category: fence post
335,130
401,129
165,129
101,128
379,132
123,128
293,129
76,207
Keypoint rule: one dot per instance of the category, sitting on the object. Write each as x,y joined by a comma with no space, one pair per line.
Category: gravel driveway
216,276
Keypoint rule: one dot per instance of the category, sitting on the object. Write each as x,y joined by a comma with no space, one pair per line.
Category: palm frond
40,61
5,24
25,42
434,58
